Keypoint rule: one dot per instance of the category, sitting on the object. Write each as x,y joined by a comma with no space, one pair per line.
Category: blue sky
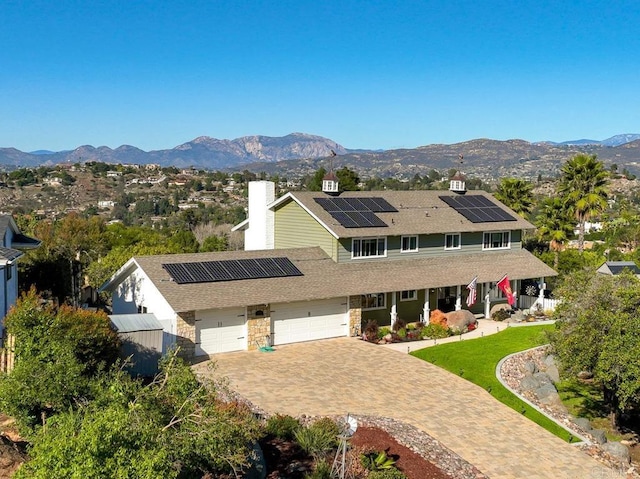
367,74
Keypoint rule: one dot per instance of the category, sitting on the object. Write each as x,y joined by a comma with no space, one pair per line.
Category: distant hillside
202,152
299,154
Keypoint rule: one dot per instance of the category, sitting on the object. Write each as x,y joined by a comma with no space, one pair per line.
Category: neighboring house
320,264
616,267
13,242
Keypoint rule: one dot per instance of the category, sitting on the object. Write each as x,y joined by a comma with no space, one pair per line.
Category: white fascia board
125,269
241,226
290,195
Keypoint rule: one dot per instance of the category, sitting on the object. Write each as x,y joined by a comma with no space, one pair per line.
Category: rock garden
441,325
534,375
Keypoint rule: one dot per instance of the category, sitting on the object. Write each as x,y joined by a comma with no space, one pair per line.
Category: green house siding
295,228
408,311
428,246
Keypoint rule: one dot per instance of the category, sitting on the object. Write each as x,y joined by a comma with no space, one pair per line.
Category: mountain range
301,152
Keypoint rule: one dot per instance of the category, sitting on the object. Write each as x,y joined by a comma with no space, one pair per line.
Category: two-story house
320,264
11,246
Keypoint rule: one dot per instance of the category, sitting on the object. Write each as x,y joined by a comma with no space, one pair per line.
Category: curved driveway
343,375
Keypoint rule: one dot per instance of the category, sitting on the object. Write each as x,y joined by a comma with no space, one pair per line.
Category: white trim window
408,295
374,301
409,244
452,241
369,247
496,240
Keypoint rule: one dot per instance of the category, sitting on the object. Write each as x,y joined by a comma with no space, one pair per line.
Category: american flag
471,298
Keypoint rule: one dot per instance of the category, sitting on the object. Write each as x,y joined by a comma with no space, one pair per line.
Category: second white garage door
220,331
309,320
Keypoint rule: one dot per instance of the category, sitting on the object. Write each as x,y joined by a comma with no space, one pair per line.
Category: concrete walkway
485,328
348,375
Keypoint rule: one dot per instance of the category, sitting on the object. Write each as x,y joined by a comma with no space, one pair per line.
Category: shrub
398,325
322,470
377,461
382,332
371,330
315,441
402,333
437,317
500,315
435,331
282,426
387,474
327,425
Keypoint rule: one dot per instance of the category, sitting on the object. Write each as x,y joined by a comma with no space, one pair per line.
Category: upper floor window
409,244
496,240
369,247
374,301
409,295
452,241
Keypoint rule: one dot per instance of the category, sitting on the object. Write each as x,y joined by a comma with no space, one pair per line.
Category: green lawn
476,361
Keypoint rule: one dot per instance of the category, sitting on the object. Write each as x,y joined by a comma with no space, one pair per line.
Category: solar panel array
477,208
357,212
231,270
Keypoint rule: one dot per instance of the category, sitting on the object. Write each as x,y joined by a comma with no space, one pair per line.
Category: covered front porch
416,305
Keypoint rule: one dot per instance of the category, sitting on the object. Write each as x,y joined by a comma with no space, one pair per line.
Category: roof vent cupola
330,184
457,183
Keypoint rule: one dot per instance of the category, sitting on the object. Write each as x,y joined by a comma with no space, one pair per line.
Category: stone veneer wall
186,332
258,326
355,315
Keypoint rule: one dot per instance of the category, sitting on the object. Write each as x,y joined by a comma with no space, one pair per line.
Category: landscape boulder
499,307
598,436
617,451
460,320
530,367
583,423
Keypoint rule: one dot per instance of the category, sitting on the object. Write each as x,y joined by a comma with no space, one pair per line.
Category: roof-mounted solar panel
231,270
477,208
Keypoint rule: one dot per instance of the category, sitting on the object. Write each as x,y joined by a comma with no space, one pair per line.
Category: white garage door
309,320
220,331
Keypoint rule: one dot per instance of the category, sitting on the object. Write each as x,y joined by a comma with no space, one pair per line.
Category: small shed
616,267
141,336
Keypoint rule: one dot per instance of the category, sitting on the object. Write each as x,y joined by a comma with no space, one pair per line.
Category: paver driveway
347,375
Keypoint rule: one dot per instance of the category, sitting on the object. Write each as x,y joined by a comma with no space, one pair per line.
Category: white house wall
137,290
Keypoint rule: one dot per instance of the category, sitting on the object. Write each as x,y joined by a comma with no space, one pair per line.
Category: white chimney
260,233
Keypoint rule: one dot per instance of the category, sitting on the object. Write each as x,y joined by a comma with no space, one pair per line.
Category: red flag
505,287
471,298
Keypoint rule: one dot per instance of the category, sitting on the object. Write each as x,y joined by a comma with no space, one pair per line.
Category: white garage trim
220,331
309,320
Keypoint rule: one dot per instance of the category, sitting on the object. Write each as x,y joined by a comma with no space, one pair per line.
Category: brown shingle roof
419,212
323,278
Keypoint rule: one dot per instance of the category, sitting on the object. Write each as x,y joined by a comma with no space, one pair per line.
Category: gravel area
418,441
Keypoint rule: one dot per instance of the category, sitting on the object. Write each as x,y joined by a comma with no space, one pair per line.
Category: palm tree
583,185
554,225
516,194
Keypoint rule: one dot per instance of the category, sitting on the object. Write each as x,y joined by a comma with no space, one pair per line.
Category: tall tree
598,330
583,185
516,194
554,225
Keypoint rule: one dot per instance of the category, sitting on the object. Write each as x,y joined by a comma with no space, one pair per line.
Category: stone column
258,326
186,334
355,315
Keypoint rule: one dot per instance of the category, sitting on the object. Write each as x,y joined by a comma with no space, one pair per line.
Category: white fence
534,302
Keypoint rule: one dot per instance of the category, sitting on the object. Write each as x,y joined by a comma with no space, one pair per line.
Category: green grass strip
476,360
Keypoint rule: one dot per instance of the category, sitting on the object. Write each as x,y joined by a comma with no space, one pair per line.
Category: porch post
394,309
487,301
425,308
458,298
541,292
